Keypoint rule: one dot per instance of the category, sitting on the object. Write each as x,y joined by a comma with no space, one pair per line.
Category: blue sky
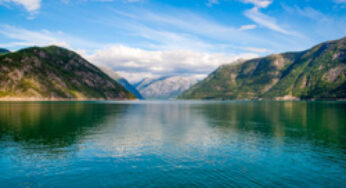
148,38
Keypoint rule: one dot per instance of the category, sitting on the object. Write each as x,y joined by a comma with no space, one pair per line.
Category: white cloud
33,6
247,27
171,29
129,1
23,37
134,63
29,5
307,12
166,40
259,3
255,15
257,50
181,20
264,20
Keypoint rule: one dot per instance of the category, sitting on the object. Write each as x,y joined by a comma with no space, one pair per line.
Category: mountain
54,73
122,81
317,73
164,87
3,51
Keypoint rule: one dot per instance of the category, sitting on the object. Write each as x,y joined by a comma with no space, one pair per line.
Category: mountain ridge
316,73
55,73
122,81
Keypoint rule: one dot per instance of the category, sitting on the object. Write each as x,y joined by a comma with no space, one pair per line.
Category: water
173,144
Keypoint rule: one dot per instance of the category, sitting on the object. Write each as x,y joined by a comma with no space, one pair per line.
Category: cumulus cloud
134,63
29,5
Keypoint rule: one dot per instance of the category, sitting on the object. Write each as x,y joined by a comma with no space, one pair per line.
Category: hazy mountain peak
121,80
164,87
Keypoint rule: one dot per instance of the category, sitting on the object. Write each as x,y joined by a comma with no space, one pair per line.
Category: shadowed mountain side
122,81
3,51
54,73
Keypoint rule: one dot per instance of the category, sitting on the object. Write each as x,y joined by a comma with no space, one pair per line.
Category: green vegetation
3,51
318,73
55,73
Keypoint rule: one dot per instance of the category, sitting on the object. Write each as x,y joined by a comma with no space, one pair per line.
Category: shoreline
122,99
60,99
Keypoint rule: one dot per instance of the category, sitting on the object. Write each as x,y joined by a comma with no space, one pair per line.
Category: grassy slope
3,51
54,73
318,73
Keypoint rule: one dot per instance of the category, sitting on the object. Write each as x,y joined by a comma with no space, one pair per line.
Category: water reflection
155,127
320,122
52,124
172,143
179,123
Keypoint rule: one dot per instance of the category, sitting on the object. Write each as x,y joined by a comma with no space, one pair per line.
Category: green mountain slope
54,73
3,51
317,73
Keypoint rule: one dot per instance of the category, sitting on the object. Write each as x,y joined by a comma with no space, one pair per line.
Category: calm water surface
173,144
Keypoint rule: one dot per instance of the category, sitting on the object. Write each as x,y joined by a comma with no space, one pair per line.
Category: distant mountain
54,73
317,73
164,87
122,81
3,51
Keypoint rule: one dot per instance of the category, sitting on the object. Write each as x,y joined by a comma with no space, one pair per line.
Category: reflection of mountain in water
283,121
125,129
53,124
134,144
